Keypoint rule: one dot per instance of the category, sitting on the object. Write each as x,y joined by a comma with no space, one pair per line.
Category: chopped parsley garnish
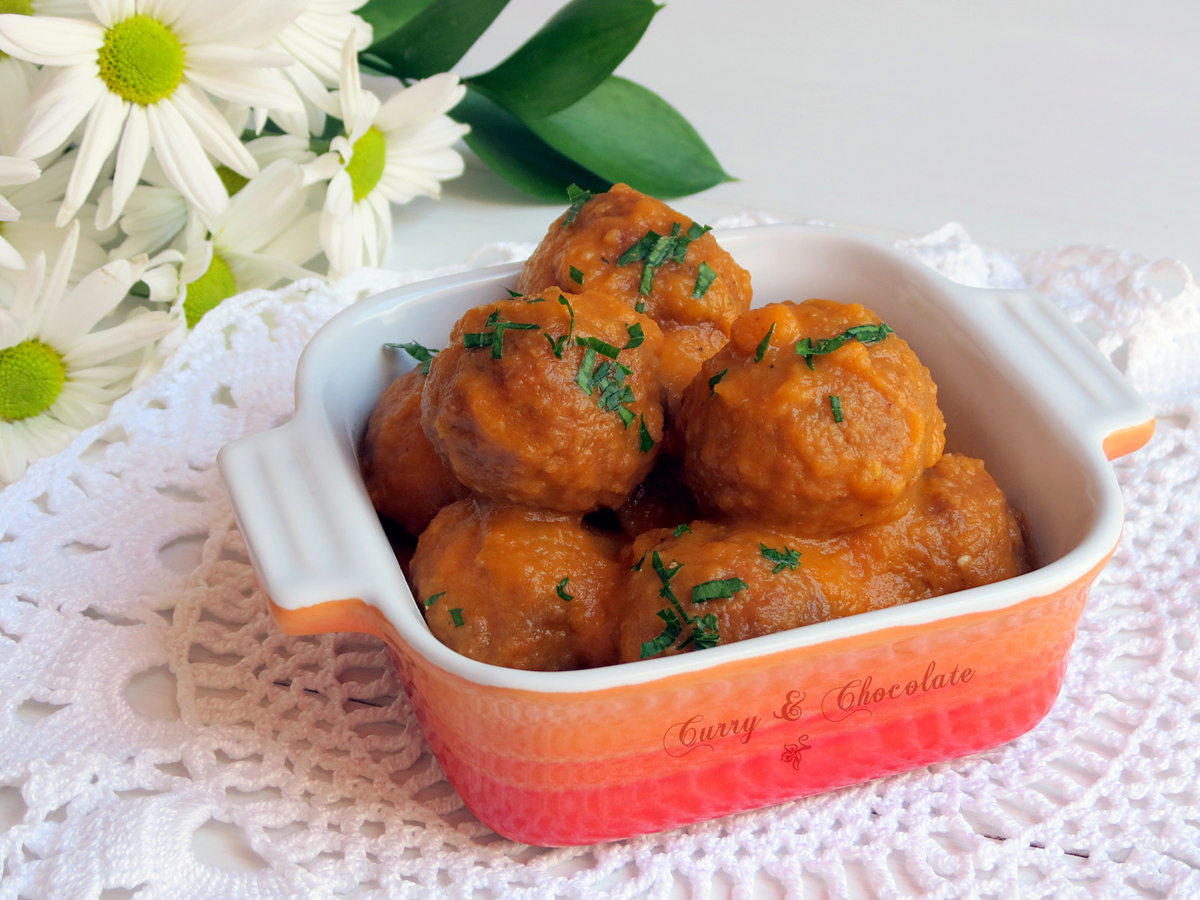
761,351
516,296
636,336
556,344
655,249
576,276
708,636
864,334
578,197
704,278
587,366
534,300
495,338
637,566
429,601
704,628
664,575
682,529
561,590
721,589
835,404
563,301
715,380
640,306
456,616
423,355
601,347
787,558
668,636
646,441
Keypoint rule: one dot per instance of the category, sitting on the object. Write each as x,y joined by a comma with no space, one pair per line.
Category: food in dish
811,439
641,251
506,406
813,415
519,587
410,483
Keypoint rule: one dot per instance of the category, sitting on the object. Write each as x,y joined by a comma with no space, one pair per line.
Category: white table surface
1032,124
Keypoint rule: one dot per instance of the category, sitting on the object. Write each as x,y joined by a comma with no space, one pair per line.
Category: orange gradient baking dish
562,758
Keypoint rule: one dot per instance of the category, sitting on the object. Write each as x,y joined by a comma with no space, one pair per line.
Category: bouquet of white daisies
159,156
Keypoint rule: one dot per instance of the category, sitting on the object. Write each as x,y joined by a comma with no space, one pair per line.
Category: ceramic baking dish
561,758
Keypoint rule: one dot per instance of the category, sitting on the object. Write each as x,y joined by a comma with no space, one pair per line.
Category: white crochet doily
161,739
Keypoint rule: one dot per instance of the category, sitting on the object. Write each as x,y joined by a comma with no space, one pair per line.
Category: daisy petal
223,56
62,102
211,130
416,105
109,11
12,330
91,300
9,257
56,284
112,343
14,170
50,41
131,159
231,21
8,212
99,138
267,204
183,160
252,87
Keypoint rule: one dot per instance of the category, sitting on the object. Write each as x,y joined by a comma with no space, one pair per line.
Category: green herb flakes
787,558
457,617
638,250
646,441
422,355
636,336
561,590
864,334
669,634
576,276
473,340
578,197
761,351
637,566
516,296
640,306
429,601
835,404
704,631
705,276
722,589
563,301
601,347
664,575
715,380
682,529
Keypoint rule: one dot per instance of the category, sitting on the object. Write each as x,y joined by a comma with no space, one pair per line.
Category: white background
1035,124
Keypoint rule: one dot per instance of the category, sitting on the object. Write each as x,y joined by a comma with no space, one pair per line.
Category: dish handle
301,511
1088,391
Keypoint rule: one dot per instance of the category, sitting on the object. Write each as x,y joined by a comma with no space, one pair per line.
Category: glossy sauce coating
605,228
405,478
521,428
762,438
957,532
501,568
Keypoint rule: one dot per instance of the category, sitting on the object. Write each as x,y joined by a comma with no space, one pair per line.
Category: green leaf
387,16
516,154
624,132
435,38
568,58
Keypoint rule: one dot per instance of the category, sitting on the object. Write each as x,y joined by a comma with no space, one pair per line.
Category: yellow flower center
31,378
366,165
207,291
141,60
15,8
233,181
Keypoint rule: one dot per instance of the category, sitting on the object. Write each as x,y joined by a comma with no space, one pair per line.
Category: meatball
405,478
822,440
602,234
550,401
956,532
760,581
519,587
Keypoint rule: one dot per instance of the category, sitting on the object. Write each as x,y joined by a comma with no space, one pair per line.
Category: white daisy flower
390,153
266,234
13,171
35,232
139,75
57,376
315,40
156,213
